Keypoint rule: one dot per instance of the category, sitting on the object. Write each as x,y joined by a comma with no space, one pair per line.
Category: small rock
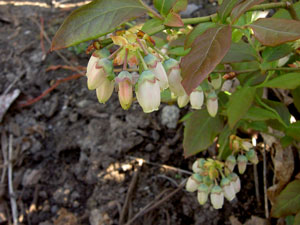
149,147
31,177
190,9
98,218
154,135
165,153
54,208
170,116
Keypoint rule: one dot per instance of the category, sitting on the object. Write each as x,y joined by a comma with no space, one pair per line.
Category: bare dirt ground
71,155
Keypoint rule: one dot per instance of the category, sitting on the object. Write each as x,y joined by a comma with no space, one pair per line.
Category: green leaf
180,5
287,202
152,25
198,30
226,8
259,114
297,219
223,142
280,108
164,6
94,20
285,81
179,51
289,220
296,98
272,32
173,20
274,53
241,8
200,131
239,52
239,103
208,50
293,130
284,14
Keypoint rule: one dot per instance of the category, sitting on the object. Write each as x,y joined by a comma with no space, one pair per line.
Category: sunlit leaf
200,132
285,81
208,50
173,20
239,103
152,25
272,32
241,8
287,202
94,20
164,6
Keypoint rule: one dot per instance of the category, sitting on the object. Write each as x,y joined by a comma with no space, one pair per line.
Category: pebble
170,116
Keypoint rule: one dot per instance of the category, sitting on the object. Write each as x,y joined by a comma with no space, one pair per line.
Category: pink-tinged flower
183,100
193,182
105,90
236,182
125,82
197,98
203,191
217,197
230,162
174,76
95,57
99,72
252,156
242,163
228,189
157,68
148,92
212,104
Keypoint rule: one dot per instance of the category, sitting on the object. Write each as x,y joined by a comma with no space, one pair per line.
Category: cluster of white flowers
156,73
219,179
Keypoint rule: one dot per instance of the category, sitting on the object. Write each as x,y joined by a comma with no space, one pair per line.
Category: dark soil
71,162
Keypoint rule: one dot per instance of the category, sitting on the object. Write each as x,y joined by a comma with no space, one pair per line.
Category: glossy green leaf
285,81
164,6
226,8
223,142
198,30
259,114
200,131
152,25
274,53
179,51
239,103
94,20
241,8
272,32
296,97
207,52
293,130
284,14
297,219
288,201
280,108
239,52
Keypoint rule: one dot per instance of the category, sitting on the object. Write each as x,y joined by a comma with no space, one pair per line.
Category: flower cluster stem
142,60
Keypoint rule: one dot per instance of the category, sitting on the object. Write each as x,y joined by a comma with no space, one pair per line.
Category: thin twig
4,155
157,203
129,194
256,184
265,182
13,202
161,165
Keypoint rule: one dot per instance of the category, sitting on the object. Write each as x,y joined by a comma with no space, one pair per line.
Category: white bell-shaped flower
217,197
174,76
197,98
105,90
228,189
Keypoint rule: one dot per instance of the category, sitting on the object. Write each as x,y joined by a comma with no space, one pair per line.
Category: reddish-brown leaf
173,20
273,32
243,7
208,50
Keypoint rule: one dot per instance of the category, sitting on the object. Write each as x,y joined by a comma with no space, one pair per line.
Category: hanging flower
183,100
157,68
242,163
228,189
105,90
236,182
148,92
197,98
230,162
252,156
202,195
193,182
217,197
174,76
125,82
212,104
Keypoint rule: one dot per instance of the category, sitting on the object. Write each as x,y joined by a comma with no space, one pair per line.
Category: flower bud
183,100
95,57
174,76
252,156
157,68
148,92
212,104
242,163
105,90
228,189
196,168
197,98
217,197
230,162
235,180
202,194
246,145
216,81
193,182
98,73
125,81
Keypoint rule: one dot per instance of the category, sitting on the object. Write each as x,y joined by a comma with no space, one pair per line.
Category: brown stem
142,46
115,53
125,59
